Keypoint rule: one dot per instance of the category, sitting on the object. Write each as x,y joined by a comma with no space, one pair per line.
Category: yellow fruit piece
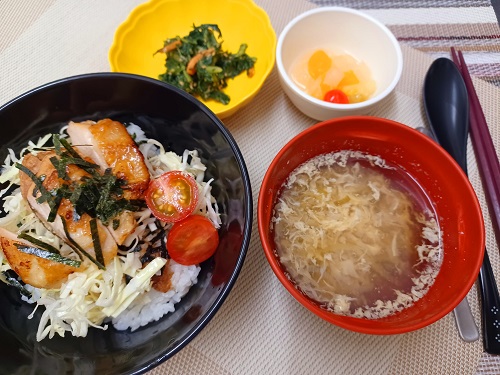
357,98
319,63
324,89
349,79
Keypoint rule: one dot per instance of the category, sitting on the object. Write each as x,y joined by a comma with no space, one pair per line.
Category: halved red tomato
192,240
173,196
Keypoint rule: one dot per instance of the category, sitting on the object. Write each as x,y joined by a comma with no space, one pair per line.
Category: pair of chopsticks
489,166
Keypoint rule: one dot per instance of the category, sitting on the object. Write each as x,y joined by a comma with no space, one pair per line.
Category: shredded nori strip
60,168
100,196
56,202
56,139
70,156
12,279
45,196
52,199
47,255
96,241
61,164
128,249
78,248
66,145
37,242
154,250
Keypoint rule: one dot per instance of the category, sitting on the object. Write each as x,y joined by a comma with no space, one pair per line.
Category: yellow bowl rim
150,5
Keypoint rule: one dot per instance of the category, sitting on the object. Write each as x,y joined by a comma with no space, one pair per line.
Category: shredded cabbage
88,298
139,283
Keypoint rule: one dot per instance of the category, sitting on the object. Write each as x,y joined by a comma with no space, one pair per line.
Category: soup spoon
448,117
467,328
447,108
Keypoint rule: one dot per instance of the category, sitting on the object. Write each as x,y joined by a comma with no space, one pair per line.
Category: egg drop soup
357,235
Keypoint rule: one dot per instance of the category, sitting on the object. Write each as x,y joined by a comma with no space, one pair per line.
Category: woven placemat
433,26
261,329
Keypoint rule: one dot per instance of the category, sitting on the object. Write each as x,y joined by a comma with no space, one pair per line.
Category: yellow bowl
240,21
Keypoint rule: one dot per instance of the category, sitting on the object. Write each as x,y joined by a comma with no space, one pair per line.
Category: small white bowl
351,32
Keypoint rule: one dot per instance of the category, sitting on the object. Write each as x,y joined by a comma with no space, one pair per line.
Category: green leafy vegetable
197,64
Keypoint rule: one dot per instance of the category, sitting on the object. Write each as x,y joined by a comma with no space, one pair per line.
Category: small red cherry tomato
192,240
336,96
172,197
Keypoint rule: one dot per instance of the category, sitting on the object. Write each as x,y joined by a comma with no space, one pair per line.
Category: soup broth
357,235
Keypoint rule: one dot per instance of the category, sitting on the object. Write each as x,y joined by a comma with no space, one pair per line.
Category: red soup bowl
441,179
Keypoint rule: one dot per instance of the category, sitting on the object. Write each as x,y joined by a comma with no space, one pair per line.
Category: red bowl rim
351,323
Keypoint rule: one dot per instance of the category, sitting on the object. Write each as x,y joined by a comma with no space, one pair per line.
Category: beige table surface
261,329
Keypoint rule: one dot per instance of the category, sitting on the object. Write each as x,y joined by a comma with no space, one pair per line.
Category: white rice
152,305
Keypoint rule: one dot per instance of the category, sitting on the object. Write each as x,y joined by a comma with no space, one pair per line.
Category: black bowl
178,121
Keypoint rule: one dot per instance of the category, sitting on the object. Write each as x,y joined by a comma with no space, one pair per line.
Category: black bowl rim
247,232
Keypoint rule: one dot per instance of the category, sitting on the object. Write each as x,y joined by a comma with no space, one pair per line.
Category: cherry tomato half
336,96
173,196
192,240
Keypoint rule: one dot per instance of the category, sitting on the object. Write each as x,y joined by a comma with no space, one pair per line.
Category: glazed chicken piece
34,270
126,226
163,281
109,145
78,230
32,162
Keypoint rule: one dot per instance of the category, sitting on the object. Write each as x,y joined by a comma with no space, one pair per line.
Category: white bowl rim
322,103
